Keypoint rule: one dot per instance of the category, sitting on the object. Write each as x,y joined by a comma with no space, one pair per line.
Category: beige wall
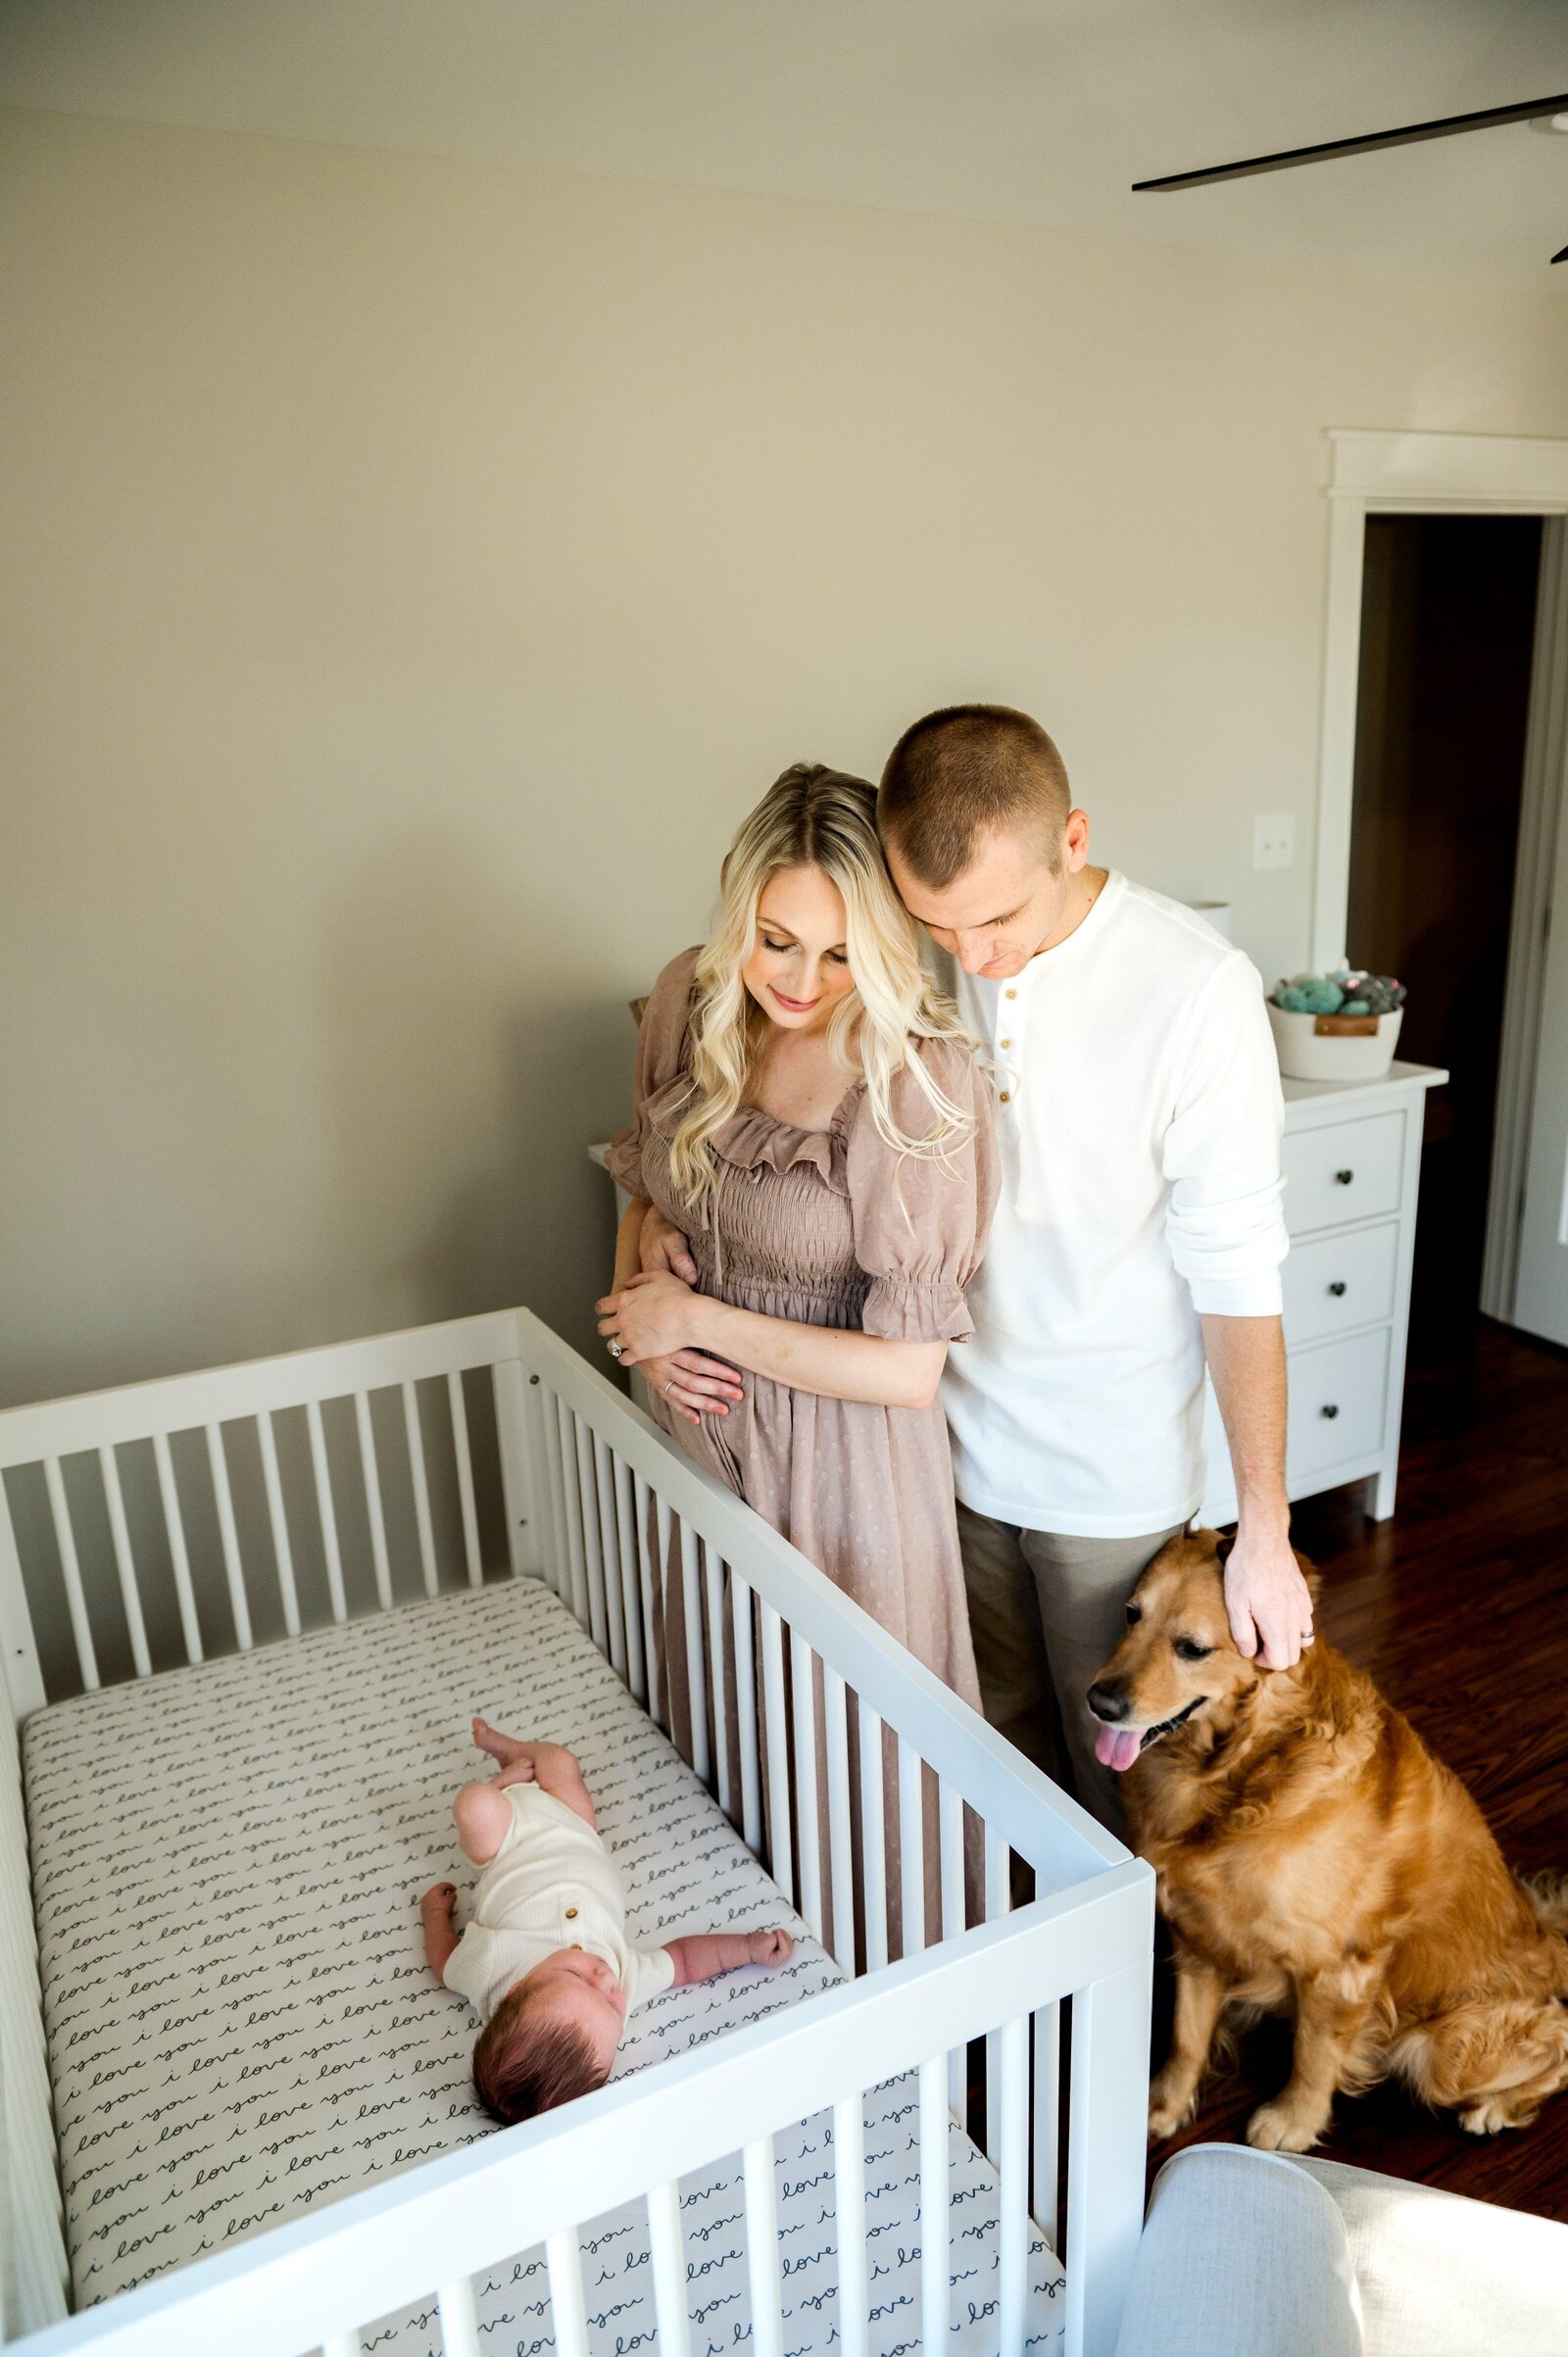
412,569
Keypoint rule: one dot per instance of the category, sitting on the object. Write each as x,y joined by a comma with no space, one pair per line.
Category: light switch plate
1274,841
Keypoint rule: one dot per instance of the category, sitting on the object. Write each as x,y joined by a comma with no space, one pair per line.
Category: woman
808,1113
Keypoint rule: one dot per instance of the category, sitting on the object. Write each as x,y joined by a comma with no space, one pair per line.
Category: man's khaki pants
1047,1612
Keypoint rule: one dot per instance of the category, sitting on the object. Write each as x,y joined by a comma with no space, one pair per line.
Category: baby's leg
504,1750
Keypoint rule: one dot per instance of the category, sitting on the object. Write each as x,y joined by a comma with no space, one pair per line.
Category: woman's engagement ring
614,1350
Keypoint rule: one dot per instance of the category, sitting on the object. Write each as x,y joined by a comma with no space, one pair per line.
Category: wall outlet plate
1274,841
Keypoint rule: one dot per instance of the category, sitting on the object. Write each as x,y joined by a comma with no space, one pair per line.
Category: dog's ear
1311,1575
1223,1545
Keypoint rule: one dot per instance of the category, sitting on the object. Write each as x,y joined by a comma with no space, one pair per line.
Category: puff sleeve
660,1055
920,1224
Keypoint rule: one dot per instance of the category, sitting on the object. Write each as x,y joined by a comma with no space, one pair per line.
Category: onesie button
1010,994
576,1948
1003,1043
1006,1096
571,1914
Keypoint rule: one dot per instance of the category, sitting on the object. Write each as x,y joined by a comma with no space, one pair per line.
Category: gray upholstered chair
1255,2254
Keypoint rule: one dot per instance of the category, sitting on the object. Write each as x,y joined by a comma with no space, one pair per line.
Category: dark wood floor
1458,1607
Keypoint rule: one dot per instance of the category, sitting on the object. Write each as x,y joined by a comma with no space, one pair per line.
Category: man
1139,1231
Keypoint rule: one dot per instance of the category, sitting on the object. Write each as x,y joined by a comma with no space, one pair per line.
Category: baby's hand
771,1948
440,1898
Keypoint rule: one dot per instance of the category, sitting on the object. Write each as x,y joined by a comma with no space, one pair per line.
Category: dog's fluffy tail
1548,1894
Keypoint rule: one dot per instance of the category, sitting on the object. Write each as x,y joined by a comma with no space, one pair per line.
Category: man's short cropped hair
964,773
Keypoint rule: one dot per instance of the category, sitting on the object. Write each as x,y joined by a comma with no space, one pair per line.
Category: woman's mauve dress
831,1228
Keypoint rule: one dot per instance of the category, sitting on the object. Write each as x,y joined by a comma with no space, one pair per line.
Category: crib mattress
226,1862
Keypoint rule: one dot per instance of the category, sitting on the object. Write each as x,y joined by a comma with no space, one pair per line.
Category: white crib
579,1476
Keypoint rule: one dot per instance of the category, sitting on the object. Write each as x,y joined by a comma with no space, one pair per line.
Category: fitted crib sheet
227,1863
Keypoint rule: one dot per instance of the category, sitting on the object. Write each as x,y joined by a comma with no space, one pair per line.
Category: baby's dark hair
524,2065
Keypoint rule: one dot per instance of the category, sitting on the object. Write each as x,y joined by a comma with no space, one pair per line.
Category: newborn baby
545,1958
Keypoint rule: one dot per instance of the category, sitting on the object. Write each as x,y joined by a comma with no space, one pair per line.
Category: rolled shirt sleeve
1225,1222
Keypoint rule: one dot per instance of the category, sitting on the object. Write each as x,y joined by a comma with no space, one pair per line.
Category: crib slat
642,1510
536,1417
555,1486
233,1570
278,1520
950,1837
175,1525
840,1839
421,1487
1014,2230
849,2182
567,2316
370,1474
911,1848
999,1902
1047,2108
873,1838
664,1524
802,1684
325,1509
934,2194
610,1546
780,1863
581,1496
669,2272
762,2249
460,2322
576,1561
460,1444
71,1573
715,1571
627,1520
124,1560
740,1598
691,1594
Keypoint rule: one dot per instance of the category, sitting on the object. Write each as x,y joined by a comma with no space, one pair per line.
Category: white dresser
1352,1168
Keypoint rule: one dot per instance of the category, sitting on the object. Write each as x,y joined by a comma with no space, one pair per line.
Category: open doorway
1443,717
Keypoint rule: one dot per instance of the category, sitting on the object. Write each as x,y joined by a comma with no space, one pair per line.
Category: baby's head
552,2037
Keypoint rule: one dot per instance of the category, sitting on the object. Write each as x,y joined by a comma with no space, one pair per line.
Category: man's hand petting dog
1267,1598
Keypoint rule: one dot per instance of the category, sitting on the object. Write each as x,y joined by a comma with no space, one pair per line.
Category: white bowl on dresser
1351,1159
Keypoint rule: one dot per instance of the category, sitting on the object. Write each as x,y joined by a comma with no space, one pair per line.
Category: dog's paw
1492,2118
1165,2112
1276,2128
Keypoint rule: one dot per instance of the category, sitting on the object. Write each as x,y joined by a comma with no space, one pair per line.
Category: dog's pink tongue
1118,1746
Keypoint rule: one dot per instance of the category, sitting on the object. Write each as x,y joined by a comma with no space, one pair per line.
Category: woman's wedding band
614,1350
669,1387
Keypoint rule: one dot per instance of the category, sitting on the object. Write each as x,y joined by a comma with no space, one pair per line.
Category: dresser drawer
1344,1170
1339,1280
1338,1393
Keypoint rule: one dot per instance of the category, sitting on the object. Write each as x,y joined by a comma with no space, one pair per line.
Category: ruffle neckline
755,1140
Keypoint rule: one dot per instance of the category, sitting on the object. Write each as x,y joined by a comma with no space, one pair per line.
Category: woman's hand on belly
694,1385
653,1318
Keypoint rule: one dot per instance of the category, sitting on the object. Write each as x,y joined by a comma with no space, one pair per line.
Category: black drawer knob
1343,1178
1331,1410
1338,1287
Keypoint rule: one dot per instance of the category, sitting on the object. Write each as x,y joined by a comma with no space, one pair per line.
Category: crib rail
206,1511
319,2281
360,1477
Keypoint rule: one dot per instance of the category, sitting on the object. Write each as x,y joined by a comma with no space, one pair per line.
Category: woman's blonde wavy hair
816,817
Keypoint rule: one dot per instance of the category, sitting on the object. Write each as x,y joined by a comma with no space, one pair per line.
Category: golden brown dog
1313,1857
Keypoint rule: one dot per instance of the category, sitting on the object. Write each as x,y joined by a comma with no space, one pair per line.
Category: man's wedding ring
614,1350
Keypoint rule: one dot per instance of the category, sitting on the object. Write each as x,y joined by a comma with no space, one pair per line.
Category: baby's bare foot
502,1748
771,1948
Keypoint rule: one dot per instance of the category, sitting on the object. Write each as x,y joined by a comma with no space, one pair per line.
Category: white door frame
1395,475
